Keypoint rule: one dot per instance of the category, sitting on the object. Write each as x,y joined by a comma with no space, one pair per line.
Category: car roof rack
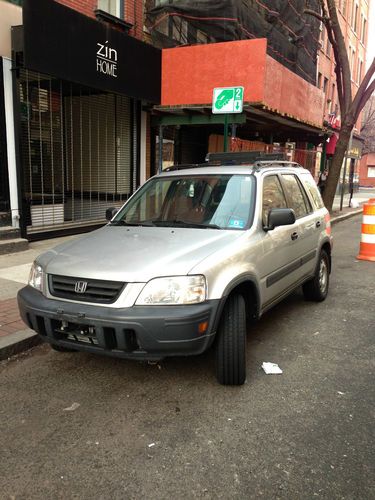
257,159
284,163
185,166
242,157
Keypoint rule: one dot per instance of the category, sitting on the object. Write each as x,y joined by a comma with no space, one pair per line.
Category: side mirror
110,213
280,217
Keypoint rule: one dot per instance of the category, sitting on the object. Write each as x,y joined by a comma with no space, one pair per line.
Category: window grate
76,150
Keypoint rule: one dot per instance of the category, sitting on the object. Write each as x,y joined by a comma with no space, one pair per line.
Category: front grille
98,291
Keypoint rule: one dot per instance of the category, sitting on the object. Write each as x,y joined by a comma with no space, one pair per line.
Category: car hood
135,254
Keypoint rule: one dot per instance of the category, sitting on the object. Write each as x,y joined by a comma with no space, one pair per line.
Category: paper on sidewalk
271,368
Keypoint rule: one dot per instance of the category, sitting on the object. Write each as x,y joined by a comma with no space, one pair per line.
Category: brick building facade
353,17
129,11
367,170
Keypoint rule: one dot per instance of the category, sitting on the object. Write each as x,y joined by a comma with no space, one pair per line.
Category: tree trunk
335,168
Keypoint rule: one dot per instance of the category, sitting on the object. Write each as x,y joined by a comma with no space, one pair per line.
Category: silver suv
192,256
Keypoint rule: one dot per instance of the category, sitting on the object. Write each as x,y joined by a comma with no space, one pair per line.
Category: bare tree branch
341,47
363,86
368,121
340,90
368,126
338,70
350,108
364,98
324,18
314,14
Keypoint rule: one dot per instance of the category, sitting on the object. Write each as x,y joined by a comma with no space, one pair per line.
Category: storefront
79,89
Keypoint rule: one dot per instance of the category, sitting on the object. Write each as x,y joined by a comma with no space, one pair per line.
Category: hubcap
323,276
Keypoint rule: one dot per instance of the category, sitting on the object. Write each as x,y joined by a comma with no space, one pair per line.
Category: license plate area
75,332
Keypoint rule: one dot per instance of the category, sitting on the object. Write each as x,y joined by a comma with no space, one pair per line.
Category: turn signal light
202,327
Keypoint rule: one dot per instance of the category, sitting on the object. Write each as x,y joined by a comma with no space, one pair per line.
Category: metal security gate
76,152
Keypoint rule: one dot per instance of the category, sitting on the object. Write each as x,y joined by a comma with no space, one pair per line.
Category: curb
340,218
17,342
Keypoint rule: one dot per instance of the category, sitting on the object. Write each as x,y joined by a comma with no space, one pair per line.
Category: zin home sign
78,49
106,60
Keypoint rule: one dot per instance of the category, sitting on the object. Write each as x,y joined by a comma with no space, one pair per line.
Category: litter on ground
73,407
271,368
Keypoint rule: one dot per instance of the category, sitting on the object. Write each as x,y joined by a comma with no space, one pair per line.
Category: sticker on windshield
236,223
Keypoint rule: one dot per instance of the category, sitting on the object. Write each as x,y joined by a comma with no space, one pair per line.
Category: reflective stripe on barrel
367,245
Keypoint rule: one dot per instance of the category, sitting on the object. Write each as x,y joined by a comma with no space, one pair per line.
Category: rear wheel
231,343
317,288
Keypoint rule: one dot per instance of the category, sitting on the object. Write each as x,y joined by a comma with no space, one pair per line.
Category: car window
224,201
313,190
297,199
273,196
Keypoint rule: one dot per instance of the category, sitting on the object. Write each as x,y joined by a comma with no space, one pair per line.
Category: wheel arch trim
241,279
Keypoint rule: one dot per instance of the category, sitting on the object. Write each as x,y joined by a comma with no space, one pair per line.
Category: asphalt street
74,425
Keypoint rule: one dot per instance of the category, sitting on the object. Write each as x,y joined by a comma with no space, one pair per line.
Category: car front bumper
138,332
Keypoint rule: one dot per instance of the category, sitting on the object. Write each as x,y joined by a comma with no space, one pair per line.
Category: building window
363,35
359,71
113,7
371,172
322,37
344,8
352,61
333,97
319,81
329,46
352,16
325,85
355,18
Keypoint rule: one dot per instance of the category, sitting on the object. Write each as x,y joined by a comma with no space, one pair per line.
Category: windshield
211,201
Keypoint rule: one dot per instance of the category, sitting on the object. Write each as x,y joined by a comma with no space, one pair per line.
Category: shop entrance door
76,152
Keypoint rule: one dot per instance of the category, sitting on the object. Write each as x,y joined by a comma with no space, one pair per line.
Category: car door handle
318,223
294,236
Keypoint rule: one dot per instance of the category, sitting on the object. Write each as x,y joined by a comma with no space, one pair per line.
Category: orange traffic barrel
367,245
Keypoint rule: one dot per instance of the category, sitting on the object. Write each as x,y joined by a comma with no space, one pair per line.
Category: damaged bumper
138,332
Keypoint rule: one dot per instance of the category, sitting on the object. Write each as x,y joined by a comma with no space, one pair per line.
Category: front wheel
317,288
231,343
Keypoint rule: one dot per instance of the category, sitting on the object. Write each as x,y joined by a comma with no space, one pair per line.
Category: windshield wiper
140,223
180,222
165,223
122,223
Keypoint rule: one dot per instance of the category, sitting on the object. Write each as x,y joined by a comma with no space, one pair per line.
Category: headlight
173,291
36,278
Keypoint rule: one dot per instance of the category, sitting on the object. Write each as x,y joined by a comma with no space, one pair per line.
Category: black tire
316,289
231,343
59,348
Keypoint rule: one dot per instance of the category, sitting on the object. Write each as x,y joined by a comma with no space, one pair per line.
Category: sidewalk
15,336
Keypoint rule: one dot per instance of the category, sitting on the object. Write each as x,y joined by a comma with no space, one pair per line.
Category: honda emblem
80,286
